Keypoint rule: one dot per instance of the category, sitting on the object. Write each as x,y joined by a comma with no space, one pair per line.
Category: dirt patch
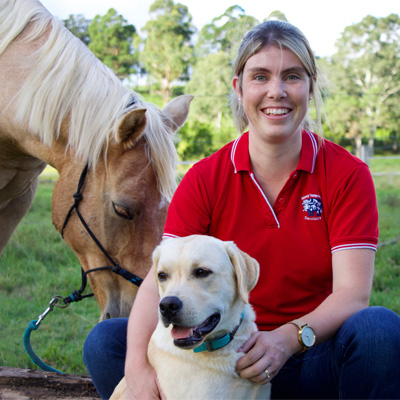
28,384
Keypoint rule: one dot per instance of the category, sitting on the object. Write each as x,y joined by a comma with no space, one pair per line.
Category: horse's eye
123,212
202,272
162,276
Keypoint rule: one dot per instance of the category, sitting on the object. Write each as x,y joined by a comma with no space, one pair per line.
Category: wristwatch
306,336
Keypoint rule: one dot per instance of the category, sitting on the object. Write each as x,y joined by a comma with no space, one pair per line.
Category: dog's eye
202,272
162,276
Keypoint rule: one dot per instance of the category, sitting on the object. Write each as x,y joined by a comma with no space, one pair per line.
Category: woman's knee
107,337
104,354
373,329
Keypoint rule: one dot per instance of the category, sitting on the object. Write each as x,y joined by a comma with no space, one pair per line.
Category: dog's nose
170,306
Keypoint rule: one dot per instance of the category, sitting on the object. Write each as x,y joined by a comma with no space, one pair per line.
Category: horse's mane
66,79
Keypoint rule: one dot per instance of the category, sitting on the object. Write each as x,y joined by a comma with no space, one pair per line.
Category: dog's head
203,284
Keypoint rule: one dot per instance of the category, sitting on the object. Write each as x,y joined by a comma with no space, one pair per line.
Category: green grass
385,164
37,265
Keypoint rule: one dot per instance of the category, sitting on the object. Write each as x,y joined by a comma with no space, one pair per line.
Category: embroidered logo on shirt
312,205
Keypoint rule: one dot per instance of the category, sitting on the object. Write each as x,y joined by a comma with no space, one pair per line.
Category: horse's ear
176,111
131,127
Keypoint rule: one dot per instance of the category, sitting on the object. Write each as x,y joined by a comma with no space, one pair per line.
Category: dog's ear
246,269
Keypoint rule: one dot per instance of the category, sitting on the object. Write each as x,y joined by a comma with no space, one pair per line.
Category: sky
321,21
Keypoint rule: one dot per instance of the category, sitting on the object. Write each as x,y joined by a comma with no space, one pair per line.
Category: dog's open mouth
188,338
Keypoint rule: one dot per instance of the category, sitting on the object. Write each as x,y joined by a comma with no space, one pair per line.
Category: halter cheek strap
116,268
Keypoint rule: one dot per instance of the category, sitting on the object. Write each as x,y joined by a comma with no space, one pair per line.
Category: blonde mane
67,80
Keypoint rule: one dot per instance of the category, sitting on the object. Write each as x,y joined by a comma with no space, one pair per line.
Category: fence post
365,153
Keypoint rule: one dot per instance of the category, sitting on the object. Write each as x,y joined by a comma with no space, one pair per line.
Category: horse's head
123,202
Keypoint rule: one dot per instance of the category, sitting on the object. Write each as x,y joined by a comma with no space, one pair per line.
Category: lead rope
33,326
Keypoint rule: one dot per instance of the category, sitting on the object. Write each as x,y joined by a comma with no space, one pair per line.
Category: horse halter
116,268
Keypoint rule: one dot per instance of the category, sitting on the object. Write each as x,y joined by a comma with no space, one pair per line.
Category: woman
306,210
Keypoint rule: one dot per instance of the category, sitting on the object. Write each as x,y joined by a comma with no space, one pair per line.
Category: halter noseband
116,268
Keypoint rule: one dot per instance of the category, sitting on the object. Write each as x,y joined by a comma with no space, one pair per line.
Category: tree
210,125
225,32
211,79
369,55
167,50
211,84
111,40
195,141
278,16
79,26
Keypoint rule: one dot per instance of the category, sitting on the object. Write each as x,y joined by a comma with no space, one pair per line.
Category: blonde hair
283,35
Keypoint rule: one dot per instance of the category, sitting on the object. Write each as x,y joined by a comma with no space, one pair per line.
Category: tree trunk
358,143
371,142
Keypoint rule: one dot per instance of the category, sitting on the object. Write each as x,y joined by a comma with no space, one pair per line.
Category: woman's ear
236,86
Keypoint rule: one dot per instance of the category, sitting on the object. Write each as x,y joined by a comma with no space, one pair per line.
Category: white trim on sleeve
351,246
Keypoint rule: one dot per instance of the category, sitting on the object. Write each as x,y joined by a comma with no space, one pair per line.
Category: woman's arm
141,379
352,283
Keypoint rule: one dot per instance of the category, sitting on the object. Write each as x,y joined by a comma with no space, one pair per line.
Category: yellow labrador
205,317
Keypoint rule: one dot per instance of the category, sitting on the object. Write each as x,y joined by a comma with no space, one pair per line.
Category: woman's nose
276,88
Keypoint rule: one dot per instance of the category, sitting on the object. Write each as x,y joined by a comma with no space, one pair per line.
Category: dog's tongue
180,332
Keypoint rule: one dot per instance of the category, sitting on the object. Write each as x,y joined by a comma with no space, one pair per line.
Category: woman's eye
260,78
123,212
293,77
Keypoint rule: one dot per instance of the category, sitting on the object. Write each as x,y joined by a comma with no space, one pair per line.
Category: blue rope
28,348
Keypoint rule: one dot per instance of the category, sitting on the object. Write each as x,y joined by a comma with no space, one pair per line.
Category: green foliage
277,15
79,26
195,141
211,79
201,139
111,40
167,50
225,32
211,85
366,74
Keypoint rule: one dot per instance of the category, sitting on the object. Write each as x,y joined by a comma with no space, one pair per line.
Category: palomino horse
61,106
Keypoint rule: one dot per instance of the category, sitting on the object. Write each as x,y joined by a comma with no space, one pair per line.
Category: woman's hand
143,384
267,351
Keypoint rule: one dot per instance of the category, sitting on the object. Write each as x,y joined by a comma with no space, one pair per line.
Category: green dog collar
219,342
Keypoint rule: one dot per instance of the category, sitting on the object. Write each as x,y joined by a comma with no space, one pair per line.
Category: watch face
308,336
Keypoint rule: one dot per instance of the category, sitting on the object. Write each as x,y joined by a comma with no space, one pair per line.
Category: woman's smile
276,111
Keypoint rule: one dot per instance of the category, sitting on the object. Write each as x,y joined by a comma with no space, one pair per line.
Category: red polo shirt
328,204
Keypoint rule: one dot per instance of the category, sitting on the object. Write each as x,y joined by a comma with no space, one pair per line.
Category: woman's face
275,93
